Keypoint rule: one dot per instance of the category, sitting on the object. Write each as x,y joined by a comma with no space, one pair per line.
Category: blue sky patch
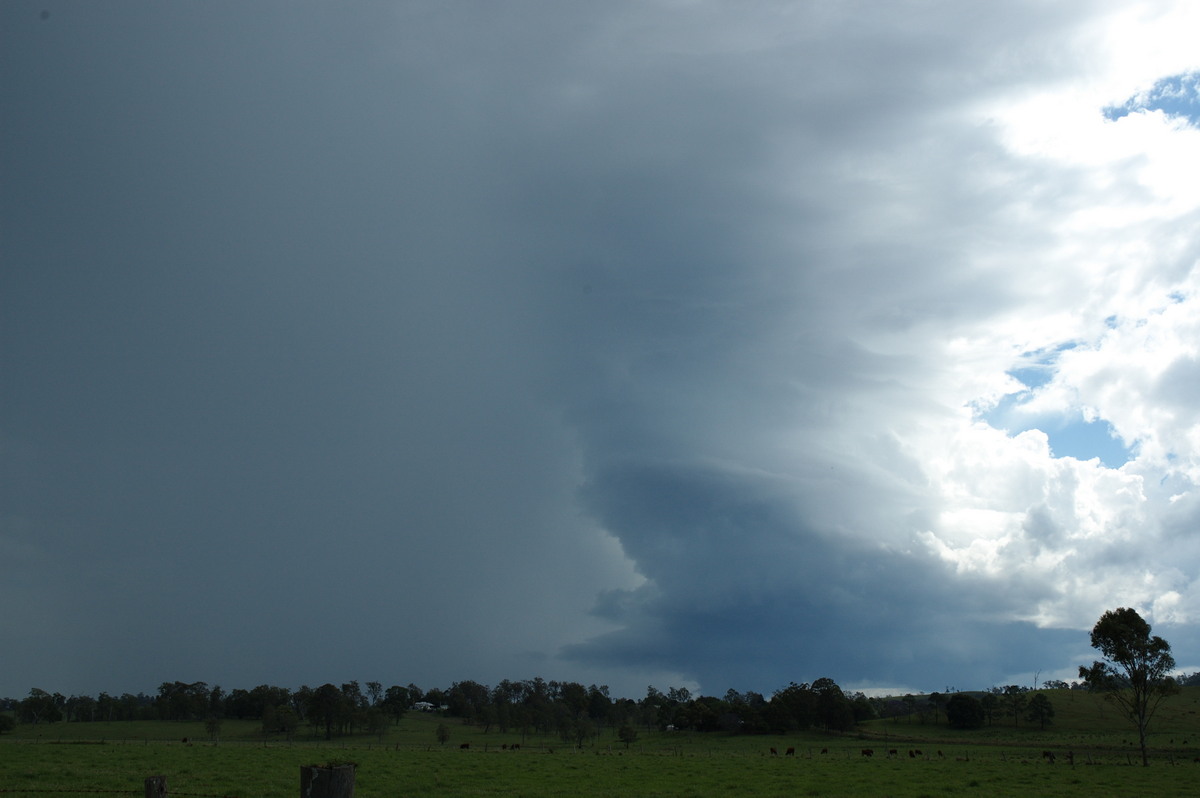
1070,434
1176,95
1034,376
1038,370
1084,440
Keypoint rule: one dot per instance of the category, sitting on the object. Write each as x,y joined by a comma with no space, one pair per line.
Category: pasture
73,759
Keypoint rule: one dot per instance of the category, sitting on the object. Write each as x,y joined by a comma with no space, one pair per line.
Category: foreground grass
1005,760
247,770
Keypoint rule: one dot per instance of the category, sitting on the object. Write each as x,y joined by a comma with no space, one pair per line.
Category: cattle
892,753
918,752
790,752
774,752
912,754
824,750
1048,756
464,746
868,752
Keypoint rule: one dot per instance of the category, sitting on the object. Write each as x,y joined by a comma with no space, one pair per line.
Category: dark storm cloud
742,584
380,342
271,328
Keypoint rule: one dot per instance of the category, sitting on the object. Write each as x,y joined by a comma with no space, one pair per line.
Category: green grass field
71,759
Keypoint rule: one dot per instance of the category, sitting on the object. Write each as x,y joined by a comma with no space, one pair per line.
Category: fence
316,781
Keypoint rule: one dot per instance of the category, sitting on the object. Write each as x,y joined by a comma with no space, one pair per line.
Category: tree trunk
156,787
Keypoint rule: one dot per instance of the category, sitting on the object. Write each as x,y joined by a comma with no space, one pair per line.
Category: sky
668,342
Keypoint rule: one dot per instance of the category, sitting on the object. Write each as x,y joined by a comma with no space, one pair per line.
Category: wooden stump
327,781
156,787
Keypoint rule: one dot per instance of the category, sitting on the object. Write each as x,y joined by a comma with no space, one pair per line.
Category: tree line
1135,673
534,706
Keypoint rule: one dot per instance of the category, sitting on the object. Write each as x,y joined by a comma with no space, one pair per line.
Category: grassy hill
1081,720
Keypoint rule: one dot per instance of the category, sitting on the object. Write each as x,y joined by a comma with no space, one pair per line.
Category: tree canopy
1135,671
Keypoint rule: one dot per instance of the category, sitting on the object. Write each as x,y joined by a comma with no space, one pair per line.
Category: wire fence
64,791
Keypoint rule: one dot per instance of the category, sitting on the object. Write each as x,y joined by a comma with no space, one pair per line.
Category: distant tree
238,704
599,703
286,721
467,700
300,700
80,708
216,701
377,722
395,702
1135,671
864,710
7,723
581,729
106,706
834,711
414,693
574,696
1014,700
679,694
436,697
793,707
991,707
627,734
705,713
41,707
182,700
375,692
964,711
212,727
1040,710
327,707
253,703
443,733
937,701
354,694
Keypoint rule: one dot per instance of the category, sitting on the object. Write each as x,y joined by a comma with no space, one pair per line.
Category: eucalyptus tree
1135,672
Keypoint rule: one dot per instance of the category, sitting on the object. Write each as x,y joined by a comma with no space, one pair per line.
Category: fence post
327,781
156,787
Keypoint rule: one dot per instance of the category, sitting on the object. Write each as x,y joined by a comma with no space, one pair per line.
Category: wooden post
156,787
327,781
